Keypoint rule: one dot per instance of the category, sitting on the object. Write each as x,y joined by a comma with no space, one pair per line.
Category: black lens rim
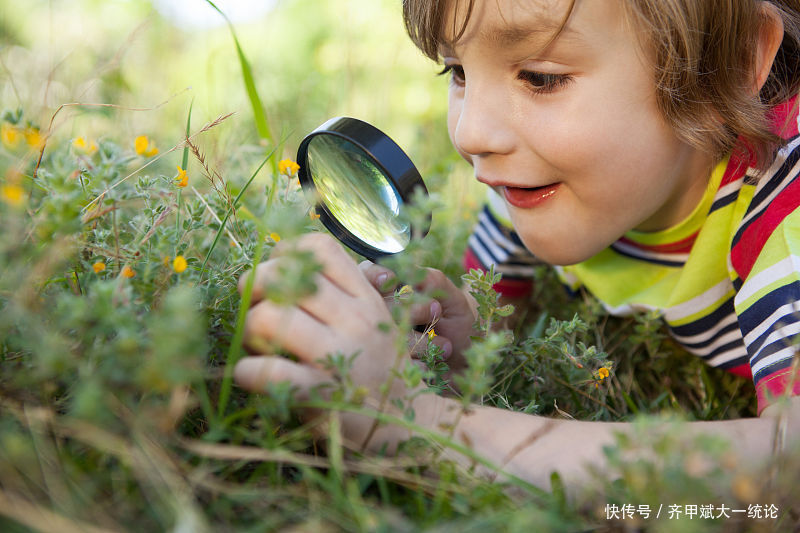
387,156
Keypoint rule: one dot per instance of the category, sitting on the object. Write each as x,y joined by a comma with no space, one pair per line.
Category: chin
561,258
565,254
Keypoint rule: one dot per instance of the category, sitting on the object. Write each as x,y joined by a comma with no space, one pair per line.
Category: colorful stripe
495,243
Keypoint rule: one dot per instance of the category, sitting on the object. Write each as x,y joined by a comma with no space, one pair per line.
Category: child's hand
346,314
451,313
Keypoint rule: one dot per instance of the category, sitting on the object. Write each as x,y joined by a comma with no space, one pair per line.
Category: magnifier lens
357,193
360,180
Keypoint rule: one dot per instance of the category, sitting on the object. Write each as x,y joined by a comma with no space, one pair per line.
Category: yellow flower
127,272
288,167
275,237
602,373
9,134
98,267
34,138
83,146
12,194
405,289
144,146
181,178
312,215
140,144
179,264
431,334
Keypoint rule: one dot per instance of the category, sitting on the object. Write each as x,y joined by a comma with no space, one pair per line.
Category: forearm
529,447
532,447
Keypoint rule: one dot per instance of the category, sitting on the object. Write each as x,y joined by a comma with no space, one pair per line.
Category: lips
528,197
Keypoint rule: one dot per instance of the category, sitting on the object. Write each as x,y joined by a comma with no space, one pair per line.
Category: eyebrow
507,36
511,35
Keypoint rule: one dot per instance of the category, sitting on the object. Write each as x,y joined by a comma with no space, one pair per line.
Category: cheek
601,135
600,116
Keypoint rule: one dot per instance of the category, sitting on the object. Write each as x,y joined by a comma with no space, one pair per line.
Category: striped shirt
726,279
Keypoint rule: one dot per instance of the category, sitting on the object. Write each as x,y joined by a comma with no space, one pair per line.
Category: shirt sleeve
494,242
765,256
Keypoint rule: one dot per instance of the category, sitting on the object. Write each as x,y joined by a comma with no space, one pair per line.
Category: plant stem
230,210
236,342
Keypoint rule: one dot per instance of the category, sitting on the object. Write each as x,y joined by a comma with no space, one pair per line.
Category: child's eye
456,73
541,82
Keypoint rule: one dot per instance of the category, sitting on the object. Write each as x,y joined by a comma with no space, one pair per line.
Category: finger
264,273
445,291
255,373
380,277
275,269
257,345
290,327
241,285
336,264
430,298
418,344
426,312
327,303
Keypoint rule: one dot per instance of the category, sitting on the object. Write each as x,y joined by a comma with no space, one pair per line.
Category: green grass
118,407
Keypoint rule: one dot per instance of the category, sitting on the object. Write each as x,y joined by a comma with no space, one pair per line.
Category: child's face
569,135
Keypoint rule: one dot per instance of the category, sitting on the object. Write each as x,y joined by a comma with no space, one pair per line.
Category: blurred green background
312,59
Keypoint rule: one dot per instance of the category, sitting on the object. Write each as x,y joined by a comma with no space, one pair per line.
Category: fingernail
381,279
436,310
447,348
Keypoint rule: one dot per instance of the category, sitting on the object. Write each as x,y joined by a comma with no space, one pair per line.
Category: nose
482,121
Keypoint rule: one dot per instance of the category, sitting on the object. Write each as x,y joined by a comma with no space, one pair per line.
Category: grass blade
259,115
234,351
185,160
231,208
184,166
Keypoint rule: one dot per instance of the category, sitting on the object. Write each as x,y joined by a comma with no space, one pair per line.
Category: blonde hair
703,54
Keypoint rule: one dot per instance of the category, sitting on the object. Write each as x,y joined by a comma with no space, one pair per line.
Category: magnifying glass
360,181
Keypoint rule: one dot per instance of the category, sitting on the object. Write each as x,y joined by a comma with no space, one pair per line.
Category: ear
770,37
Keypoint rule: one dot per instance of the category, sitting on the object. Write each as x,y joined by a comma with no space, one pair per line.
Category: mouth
528,197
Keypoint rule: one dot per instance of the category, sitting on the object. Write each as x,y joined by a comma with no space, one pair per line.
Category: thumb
453,301
380,277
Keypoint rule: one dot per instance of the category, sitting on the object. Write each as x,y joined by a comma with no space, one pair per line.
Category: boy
600,130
